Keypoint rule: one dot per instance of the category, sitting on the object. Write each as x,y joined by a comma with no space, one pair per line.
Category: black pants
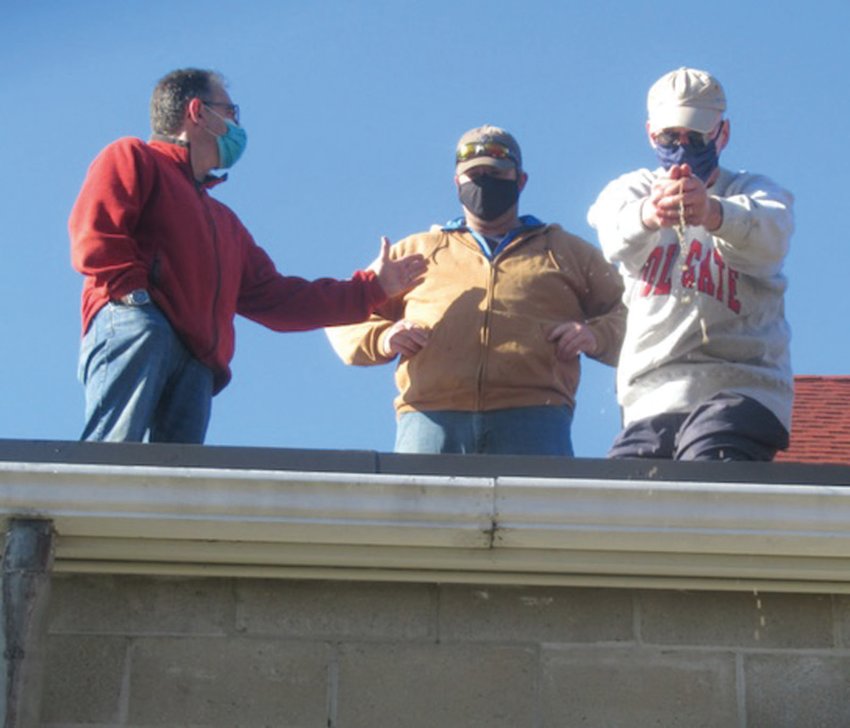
728,426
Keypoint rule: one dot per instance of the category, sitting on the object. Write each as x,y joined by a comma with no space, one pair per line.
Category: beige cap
473,149
688,98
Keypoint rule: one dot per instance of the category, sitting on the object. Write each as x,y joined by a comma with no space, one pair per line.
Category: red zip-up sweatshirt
142,221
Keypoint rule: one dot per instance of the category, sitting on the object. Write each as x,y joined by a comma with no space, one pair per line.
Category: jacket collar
179,151
526,221
528,224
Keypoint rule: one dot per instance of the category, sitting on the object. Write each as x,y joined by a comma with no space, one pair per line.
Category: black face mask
489,197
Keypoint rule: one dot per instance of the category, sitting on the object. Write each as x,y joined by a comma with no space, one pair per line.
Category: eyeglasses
470,150
670,138
232,109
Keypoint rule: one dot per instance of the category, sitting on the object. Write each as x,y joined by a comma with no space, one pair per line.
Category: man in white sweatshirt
705,371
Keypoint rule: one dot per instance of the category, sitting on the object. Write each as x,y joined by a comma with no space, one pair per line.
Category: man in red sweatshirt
167,267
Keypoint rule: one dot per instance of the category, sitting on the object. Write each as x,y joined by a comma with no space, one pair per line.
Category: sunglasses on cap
496,150
670,138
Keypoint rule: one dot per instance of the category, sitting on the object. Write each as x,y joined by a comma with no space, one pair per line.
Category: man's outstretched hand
398,276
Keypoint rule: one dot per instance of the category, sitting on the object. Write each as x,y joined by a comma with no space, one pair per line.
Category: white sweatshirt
714,321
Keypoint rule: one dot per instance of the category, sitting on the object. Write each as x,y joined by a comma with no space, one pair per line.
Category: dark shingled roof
820,429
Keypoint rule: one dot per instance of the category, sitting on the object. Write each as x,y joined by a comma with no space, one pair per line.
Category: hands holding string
680,193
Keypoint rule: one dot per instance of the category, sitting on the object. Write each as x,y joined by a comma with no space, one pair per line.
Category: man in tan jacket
489,344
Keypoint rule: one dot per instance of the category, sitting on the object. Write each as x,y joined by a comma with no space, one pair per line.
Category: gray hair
174,91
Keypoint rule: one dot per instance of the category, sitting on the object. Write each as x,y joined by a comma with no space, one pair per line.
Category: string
681,230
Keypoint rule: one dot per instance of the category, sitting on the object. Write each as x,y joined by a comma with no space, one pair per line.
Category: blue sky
352,111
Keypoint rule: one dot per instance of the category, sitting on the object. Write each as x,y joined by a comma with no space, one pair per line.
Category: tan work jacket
490,319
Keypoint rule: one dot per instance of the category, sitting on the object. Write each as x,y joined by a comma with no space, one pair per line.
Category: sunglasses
696,139
496,150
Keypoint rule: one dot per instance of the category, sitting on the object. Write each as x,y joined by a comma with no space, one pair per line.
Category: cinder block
791,691
424,686
532,614
222,683
141,605
638,688
842,612
337,610
736,619
83,676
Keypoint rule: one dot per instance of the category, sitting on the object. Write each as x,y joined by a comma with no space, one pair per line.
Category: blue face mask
701,159
231,144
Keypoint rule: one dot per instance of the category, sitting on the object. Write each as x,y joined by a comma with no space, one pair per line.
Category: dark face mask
489,197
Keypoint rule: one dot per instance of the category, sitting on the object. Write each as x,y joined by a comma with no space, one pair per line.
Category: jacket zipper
485,335
214,229
488,310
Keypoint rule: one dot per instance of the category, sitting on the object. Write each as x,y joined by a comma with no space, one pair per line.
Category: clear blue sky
352,111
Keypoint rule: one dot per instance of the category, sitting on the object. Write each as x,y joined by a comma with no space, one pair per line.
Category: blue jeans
516,431
140,380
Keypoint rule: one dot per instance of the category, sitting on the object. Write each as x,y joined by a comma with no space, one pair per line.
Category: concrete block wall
156,652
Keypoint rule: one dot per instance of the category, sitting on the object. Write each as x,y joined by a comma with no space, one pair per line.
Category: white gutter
627,533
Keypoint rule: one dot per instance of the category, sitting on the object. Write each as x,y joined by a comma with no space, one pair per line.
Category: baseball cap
488,146
688,98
